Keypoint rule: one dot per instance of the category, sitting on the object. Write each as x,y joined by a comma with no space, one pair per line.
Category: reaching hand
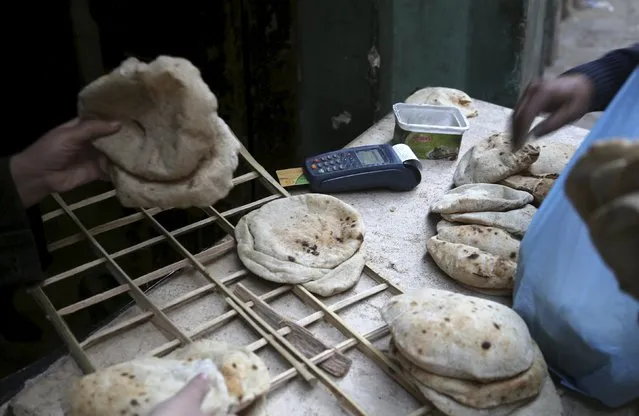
565,99
188,401
63,159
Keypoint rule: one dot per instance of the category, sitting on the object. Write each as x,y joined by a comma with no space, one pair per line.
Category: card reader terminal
366,167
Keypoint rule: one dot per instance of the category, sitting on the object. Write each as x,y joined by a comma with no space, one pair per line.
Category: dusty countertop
397,230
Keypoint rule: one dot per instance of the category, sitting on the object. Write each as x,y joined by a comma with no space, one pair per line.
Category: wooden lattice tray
193,296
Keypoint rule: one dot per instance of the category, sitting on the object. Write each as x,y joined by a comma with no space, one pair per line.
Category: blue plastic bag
586,327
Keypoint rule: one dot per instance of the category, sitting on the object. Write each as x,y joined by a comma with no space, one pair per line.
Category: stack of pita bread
238,378
482,252
314,240
533,168
447,97
173,151
490,210
469,356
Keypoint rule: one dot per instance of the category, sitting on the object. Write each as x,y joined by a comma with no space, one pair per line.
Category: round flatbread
480,197
447,97
538,187
492,160
164,108
472,266
311,239
173,151
212,180
553,157
513,390
237,378
515,221
459,336
546,403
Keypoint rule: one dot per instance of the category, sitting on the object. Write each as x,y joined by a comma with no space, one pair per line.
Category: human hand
63,159
603,187
186,402
565,99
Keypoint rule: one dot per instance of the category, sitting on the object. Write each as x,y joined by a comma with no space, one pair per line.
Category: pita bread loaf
481,197
316,240
520,388
172,151
165,109
445,224
492,160
515,221
237,377
489,239
546,403
447,97
538,187
472,266
459,336
211,182
552,160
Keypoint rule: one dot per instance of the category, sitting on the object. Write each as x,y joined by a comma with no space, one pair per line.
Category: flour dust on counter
469,356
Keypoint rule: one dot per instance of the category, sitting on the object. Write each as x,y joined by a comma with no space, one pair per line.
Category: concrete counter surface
397,230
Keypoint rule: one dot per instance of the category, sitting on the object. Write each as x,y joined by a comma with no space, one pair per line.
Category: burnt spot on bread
134,402
447,319
486,345
423,331
291,258
513,255
420,351
360,237
124,374
234,365
353,225
339,239
473,256
413,303
496,325
191,184
254,367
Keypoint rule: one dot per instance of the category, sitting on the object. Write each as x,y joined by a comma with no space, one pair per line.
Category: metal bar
138,295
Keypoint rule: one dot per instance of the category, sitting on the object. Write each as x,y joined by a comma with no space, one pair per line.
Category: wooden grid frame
301,365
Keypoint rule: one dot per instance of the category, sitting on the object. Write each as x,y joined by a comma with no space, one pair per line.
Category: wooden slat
163,322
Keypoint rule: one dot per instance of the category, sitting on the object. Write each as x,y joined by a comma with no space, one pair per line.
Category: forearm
19,261
608,74
31,187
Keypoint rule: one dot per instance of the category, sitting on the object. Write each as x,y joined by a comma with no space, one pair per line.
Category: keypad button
324,158
321,171
313,166
320,165
341,167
